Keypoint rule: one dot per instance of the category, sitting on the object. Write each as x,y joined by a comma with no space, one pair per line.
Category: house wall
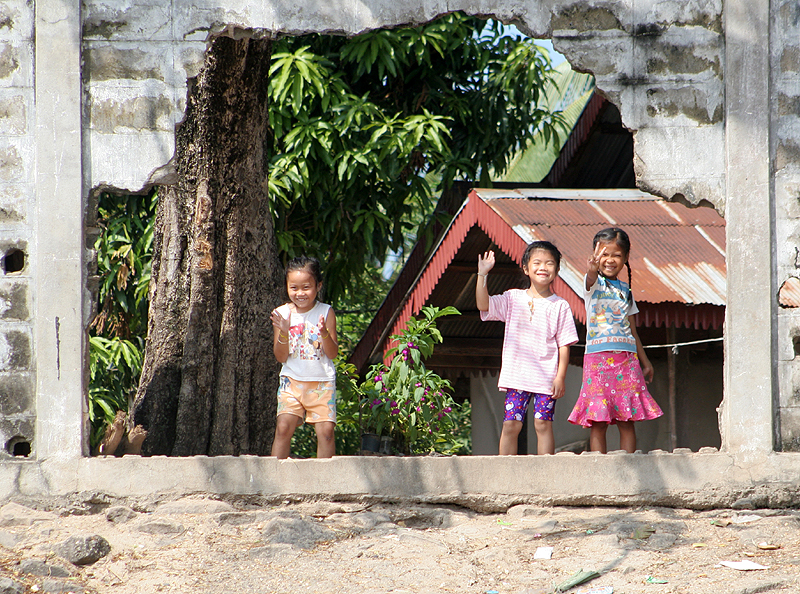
710,92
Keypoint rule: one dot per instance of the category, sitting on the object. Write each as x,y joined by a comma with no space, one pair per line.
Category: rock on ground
203,545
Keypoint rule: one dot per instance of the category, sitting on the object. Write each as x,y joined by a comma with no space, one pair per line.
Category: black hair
618,236
310,265
544,246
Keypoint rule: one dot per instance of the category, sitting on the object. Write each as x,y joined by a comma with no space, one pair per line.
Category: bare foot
113,435
134,440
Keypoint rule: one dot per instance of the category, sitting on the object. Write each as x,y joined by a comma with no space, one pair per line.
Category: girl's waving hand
485,263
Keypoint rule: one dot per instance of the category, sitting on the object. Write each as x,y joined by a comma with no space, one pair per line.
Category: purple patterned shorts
517,405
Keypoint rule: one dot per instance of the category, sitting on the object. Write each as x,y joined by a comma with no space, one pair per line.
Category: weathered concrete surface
692,480
714,111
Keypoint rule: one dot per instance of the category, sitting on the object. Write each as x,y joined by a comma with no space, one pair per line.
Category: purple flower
395,411
393,404
448,409
422,399
376,402
419,409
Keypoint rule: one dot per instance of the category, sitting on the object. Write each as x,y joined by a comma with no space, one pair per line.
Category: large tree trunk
209,378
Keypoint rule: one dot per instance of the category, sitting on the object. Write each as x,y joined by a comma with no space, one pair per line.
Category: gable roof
677,257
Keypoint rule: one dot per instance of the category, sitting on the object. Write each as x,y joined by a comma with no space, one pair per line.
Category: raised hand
280,323
485,262
593,265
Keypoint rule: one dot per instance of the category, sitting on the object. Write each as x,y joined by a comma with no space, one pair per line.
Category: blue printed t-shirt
607,311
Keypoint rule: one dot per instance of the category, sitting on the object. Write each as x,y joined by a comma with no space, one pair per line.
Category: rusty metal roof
677,253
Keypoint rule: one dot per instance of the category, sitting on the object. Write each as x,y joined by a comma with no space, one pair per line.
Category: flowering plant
406,401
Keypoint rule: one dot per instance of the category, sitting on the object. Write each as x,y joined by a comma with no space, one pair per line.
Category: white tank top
307,361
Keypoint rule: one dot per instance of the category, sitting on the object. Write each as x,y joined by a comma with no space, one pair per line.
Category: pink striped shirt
532,339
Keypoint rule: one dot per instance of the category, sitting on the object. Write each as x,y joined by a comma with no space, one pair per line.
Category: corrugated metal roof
677,253
789,294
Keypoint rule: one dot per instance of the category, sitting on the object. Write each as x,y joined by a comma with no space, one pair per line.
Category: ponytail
630,281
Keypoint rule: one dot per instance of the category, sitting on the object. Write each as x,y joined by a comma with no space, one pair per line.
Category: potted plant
405,402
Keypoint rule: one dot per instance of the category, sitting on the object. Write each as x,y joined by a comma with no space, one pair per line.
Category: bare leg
508,437
113,435
134,440
597,437
326,444
627,436
284,429
545,442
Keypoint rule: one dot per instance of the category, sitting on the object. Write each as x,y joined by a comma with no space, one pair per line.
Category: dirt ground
202,545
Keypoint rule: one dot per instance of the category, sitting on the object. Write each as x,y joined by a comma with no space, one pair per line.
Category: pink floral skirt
613,390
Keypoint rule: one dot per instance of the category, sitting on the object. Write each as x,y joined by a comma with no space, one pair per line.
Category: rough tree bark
209,378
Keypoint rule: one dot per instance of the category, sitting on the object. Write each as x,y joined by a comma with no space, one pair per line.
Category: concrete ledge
486,483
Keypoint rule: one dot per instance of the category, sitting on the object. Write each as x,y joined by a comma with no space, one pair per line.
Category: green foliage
116,343
362,124
114,368
405,400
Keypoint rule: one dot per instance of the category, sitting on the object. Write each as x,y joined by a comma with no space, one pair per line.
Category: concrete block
16,64
16,395
16,348
689,53
14,200
132,21
19,431
789,335
15,107
706,13
14,297
125,161
790,429
682,160
106,61
138,107
16,20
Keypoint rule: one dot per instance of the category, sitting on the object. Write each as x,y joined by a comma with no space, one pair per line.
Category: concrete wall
710,92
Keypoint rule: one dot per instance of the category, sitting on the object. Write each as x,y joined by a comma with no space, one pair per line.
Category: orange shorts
313,401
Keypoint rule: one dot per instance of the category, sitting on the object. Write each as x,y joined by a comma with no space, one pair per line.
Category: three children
539,330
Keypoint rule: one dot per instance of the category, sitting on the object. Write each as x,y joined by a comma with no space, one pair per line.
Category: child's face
302,288
612,258
541,269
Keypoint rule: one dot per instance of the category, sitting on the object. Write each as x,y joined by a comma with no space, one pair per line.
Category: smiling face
541,269
611,259
302,288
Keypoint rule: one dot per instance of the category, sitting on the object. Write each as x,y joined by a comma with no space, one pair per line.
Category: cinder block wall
713,111
17,241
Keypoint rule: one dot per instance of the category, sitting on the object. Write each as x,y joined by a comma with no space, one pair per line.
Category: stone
161,526
84,550
743,503
301,533
13,514
39,567
9,586
8,539
235,518
193,506
57,586
275,552
120,514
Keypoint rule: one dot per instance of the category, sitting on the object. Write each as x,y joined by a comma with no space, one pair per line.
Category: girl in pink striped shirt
538,333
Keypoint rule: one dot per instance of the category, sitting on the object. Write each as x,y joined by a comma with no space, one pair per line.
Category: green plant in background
408,402
116,343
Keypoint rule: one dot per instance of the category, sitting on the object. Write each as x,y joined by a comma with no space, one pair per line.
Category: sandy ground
201,545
